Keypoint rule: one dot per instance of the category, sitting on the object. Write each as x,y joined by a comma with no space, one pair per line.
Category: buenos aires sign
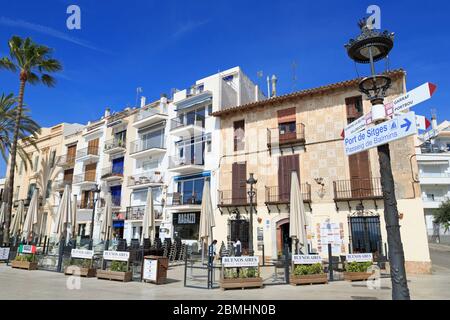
397,128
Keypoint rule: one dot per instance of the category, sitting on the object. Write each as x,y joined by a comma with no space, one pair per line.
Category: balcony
147,148
137,212
149,116
85,180
67,161
112,173
274,196
85,204
434,178
188,199
432,201
188,125
357,189
145,179
115,146
228,199
186,164
88,155
61,184
286,137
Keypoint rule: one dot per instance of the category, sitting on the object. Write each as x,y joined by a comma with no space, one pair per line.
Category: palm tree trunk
12,165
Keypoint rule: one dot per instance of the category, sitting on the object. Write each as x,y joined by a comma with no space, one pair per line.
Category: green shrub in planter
25,257
306,269
250,272
82,263
119,266
358,266
229,273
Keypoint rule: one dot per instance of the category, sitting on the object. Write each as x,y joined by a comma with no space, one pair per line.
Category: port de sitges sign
306,259
244,261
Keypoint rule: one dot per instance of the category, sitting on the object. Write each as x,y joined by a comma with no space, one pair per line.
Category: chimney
163,99
256,93
268,87
142,101
107,112
433,119
274,86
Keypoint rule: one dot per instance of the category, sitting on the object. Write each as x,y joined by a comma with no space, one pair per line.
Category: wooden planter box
241,283
24,265
83,272
356,276
308,279
114,275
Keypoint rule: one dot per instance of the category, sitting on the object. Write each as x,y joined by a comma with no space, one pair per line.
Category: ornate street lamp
369,47
251,181
94,191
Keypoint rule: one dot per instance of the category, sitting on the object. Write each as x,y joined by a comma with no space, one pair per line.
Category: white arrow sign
408,100
397,128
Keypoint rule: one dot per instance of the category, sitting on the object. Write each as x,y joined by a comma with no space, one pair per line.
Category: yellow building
301,132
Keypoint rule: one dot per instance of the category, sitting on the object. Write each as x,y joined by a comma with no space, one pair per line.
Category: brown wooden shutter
71,152
90,170
287,164
239,185
68,175
93,146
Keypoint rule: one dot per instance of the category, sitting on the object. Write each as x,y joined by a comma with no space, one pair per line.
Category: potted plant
357,271
25,261
308,274
245,277
81,267
117,271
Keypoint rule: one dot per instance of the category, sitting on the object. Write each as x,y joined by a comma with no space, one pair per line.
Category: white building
433,158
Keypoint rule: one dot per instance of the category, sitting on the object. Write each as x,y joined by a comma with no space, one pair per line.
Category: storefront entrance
283,238
239,229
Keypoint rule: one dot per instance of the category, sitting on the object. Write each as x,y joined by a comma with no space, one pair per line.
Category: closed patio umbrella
17,220
148,223
31,218
206,217
297,217
74,216
63,215
106,226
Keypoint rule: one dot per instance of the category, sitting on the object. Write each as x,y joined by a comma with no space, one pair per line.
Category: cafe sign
116,255
359,257
82,254
244,261
187,218
306,259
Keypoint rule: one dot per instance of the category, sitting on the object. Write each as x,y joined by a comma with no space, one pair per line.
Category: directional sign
408,100
397,128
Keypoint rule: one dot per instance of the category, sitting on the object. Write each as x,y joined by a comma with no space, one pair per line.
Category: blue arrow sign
400,127
407,124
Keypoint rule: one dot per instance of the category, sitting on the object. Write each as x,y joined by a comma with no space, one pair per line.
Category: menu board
330,233
150,270
4,254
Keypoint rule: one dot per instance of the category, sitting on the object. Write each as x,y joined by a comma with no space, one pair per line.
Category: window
354,108
82,229
239,135
186,225
116,194
49,189
120,137
191,190
36,163
210,109
31,189
149,165
228,78
52,158
153,139
117,165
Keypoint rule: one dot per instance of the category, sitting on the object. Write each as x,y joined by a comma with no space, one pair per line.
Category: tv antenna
294,75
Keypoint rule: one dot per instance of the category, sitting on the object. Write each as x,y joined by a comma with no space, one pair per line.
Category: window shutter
286,115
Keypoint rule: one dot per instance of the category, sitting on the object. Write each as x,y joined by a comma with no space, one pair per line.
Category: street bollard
330,262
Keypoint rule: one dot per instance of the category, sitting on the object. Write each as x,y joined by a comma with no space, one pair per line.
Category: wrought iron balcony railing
89,151
145,178
230,198
188,198
357,189
115,143
279,136
112,172
137,212
275,196
89,176
67,160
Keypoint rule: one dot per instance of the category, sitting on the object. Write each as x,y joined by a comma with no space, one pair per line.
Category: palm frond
48,80
6,63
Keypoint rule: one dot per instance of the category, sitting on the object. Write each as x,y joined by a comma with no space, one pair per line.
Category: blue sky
160,45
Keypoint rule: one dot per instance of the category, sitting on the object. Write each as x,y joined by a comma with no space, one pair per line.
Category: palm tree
34,63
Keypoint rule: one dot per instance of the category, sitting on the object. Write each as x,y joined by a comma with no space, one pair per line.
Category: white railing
435,175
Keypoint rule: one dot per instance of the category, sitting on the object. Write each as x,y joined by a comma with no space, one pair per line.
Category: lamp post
94,191
369,47
251,181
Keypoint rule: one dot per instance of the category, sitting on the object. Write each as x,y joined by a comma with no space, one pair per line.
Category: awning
118,224
194,100
199,175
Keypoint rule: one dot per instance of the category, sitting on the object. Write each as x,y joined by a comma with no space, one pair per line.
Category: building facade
301,132
433,158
